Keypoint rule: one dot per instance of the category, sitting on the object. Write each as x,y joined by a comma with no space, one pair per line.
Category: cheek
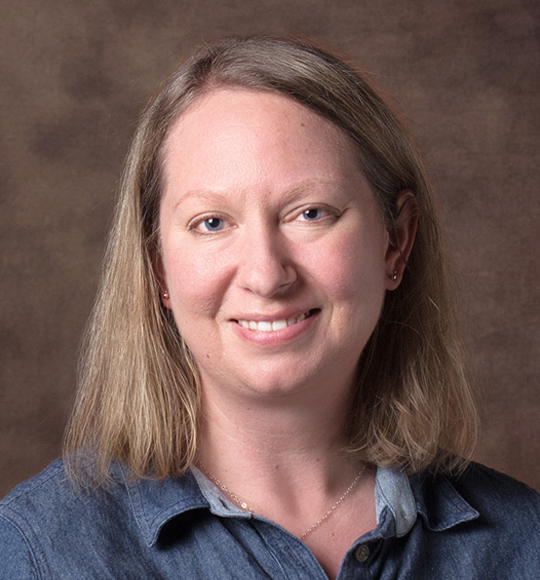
352,269
197,281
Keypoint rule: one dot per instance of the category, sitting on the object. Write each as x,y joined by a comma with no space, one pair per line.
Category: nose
266,267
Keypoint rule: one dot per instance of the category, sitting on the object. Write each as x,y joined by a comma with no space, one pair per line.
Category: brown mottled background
73,77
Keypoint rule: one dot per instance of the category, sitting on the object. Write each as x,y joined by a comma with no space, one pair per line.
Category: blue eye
213,224
312,214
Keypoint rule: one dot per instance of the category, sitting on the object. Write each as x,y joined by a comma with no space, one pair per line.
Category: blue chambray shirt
483,525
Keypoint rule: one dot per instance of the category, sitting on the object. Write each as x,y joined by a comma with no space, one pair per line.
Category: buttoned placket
294,560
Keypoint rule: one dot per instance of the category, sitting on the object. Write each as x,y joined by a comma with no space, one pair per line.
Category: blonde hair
139,394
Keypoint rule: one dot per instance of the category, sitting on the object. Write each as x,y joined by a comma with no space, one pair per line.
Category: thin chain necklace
245,506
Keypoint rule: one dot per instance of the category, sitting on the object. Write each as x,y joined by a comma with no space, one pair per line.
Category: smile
273,325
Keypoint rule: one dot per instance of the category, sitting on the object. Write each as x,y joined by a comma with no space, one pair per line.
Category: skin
267,217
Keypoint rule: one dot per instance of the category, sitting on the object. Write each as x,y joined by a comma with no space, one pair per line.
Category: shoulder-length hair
139,393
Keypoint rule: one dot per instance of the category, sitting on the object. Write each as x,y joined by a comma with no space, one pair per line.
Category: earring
393,276
166,294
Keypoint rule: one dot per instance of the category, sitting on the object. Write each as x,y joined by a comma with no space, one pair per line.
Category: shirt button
361,553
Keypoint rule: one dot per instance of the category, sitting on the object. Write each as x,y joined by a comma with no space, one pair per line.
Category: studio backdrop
73,79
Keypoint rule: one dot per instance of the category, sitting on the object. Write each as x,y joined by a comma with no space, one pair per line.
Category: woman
272,384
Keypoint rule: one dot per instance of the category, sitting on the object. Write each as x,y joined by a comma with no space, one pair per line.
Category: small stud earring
393,276
166,294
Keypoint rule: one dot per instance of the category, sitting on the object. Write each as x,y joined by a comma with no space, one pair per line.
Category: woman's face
275,256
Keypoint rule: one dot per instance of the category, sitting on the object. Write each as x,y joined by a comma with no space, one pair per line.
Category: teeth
279,324
266,326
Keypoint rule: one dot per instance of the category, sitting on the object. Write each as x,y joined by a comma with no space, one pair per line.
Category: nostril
267,277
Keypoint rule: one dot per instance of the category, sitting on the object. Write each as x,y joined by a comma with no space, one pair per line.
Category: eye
213,224
317,214
312,214
209,224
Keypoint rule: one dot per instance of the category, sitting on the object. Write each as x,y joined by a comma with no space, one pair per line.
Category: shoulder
19,534
40,498
53,475
52,528
498,496
46,515
35,495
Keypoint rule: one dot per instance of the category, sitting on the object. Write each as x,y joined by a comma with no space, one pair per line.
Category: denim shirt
482,525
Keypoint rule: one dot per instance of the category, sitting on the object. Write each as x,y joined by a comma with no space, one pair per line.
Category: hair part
138,399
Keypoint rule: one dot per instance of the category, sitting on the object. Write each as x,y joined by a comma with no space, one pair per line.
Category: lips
273,325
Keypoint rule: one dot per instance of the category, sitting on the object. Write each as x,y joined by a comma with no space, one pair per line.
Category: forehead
226,125
228,105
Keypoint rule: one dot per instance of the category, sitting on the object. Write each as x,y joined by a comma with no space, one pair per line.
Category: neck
281,442
284,459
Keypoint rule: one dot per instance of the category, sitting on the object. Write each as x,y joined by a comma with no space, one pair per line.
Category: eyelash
213,219
197,224
311,209
324,214
327,214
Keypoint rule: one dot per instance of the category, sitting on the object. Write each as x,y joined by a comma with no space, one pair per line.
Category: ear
159,273
402,236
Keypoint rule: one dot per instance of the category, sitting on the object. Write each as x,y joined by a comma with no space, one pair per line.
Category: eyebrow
297,190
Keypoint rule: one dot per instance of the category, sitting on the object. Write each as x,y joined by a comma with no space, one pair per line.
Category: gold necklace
245,506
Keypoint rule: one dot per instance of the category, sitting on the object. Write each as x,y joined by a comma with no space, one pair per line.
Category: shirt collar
435,499
393,491
219,504
155,502
439,503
